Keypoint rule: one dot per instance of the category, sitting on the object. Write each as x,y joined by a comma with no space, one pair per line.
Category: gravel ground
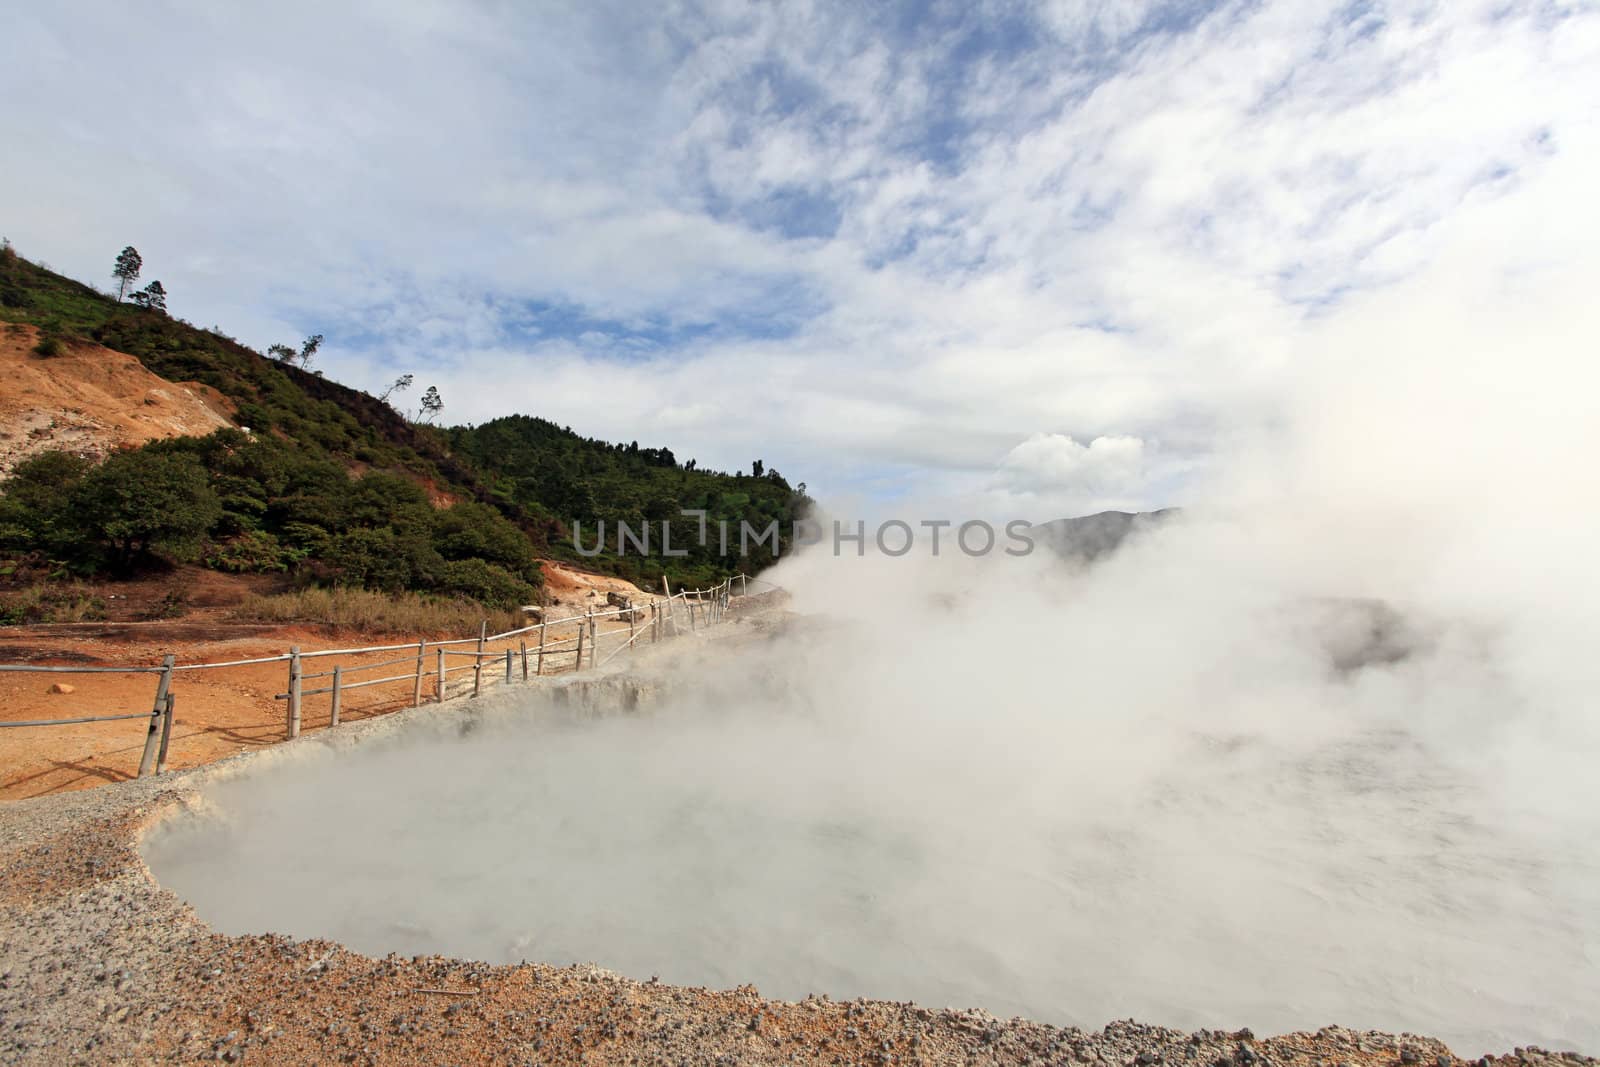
99,964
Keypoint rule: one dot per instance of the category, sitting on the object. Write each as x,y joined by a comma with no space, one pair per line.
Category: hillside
268,467
546,470
268,395
1087,538
92,401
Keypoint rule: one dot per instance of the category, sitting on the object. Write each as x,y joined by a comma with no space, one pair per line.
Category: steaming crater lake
1234,881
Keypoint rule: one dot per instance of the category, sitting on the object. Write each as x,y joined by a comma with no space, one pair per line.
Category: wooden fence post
632,630
508,666
539,666
152,737
416,690
578,666
477,664
338,678
672,609
524,644
594,639
438,690
294,692
166,734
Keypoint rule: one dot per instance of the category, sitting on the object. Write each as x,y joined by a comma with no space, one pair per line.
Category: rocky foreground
99,964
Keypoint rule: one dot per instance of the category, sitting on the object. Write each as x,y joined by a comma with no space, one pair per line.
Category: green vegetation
246,504
336,488
58,602
554,474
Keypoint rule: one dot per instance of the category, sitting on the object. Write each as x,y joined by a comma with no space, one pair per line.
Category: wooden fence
430,664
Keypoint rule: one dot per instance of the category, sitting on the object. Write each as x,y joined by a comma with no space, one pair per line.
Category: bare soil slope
91,400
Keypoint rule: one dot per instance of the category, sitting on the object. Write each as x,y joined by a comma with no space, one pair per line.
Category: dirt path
222,712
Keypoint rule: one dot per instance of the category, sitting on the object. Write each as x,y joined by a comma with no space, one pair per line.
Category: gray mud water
737,831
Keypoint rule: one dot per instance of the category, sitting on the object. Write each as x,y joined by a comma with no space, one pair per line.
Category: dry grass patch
359,610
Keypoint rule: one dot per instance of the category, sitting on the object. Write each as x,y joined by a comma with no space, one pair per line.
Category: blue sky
1024,258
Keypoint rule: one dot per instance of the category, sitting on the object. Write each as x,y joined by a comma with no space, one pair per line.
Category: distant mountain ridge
1088,538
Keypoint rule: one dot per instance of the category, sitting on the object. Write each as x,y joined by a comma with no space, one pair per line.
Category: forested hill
552,473
336,485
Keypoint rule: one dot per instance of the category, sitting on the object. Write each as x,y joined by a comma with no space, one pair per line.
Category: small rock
63,687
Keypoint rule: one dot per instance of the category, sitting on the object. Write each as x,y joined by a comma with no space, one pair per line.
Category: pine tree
153,296
432,404
127,269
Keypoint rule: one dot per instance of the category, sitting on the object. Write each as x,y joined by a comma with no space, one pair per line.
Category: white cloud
1055,461
1139,229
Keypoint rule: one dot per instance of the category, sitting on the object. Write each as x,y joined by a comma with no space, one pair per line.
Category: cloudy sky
1034,258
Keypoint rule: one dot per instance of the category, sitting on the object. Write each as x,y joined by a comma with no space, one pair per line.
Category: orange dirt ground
217,712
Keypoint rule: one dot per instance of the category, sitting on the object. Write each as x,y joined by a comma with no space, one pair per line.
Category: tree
432,404
756,468
287,353
127,269
400,385
35,508
308,348
153,296
136,503
470,530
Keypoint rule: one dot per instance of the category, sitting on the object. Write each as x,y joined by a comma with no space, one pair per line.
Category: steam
1322,750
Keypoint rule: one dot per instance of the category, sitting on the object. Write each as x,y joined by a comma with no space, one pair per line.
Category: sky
1005,259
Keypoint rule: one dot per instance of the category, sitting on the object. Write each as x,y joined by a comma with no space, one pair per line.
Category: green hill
334,486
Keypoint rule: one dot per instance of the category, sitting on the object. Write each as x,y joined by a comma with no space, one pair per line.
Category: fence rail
649,623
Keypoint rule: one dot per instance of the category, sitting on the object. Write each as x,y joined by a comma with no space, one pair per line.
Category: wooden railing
684,613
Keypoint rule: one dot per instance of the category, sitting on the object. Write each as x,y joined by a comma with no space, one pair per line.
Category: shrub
253,552
49,345
384,559
470,531
72,602
36,512
486,583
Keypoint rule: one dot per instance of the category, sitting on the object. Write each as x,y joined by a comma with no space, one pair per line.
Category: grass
358,610
57,602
